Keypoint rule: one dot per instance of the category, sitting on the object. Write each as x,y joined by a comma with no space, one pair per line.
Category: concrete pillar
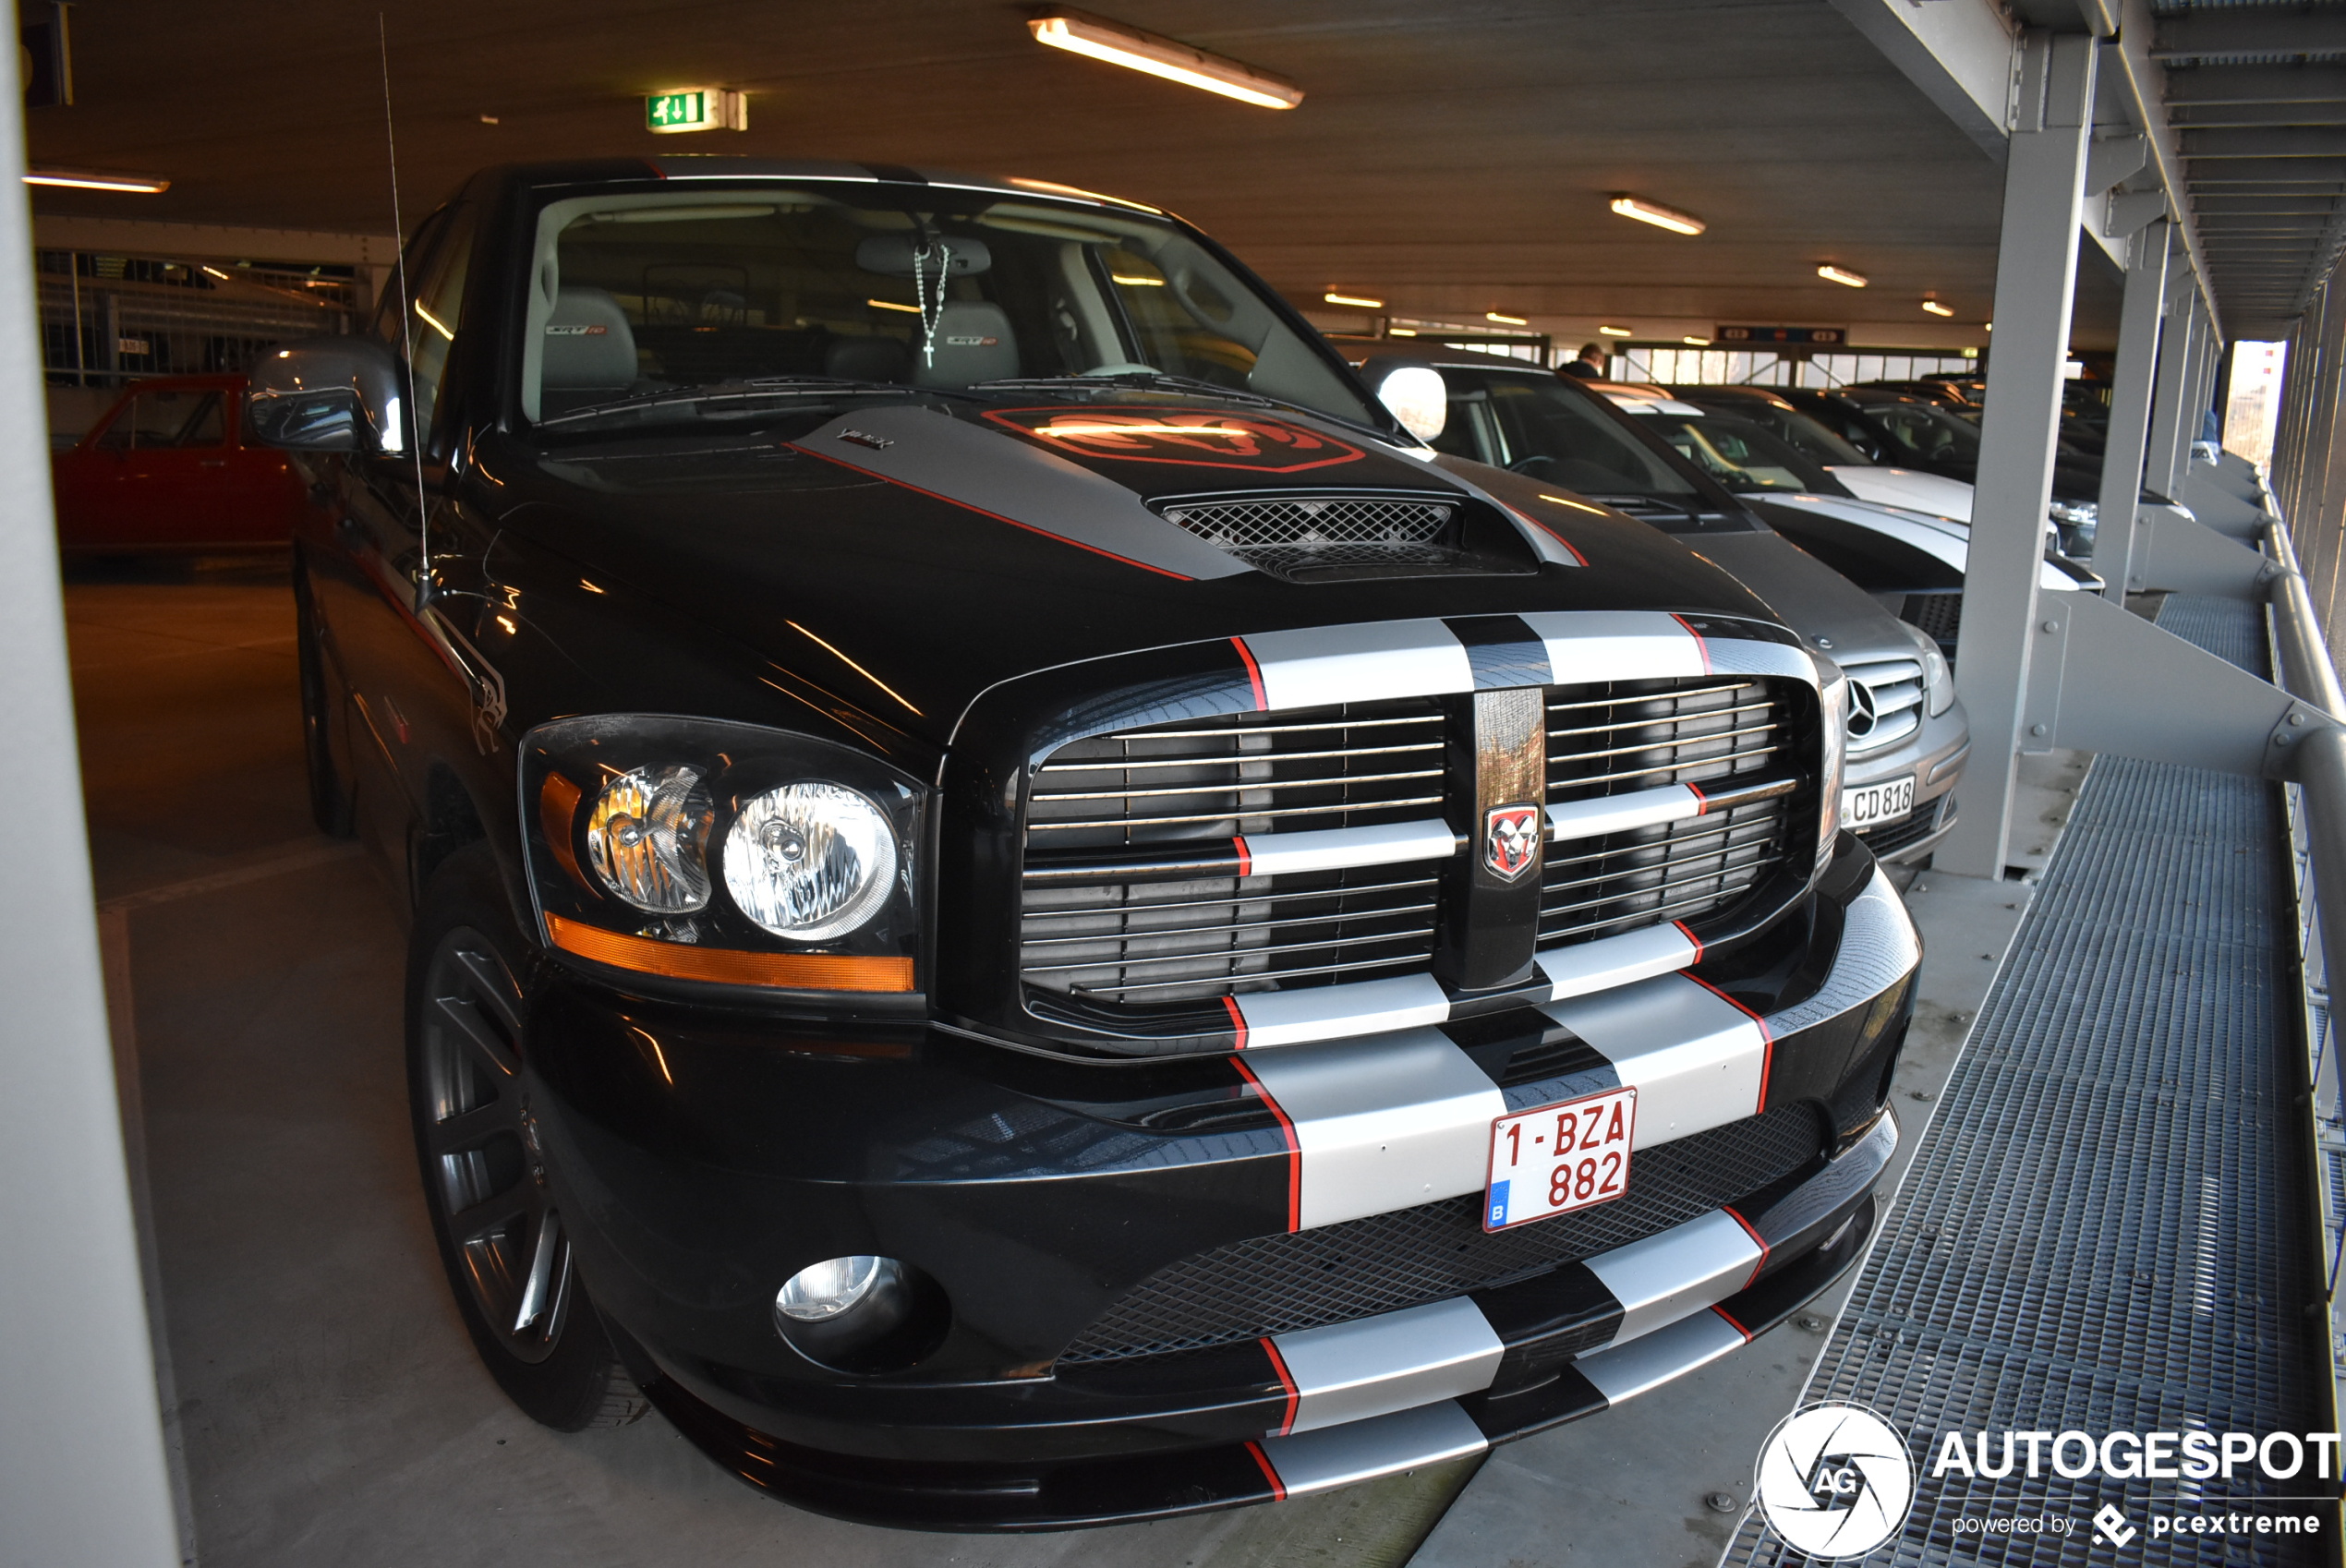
82,1480
2122,463
2036,275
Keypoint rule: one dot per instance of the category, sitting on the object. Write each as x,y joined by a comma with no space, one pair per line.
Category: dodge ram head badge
1511,840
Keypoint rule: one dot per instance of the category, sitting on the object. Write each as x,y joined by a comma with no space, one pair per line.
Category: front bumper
1934,754
701,1159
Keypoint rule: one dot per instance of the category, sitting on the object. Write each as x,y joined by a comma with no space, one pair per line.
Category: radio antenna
407,324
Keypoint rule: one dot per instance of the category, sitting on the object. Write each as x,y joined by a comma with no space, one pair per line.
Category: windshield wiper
747,391
1165,381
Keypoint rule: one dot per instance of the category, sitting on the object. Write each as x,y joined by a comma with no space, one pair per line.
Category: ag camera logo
1834,1480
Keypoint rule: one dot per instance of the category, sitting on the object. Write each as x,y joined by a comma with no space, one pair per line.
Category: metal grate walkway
2104,1228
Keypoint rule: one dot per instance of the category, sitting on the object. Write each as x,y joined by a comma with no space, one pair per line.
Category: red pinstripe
1278,1489
1767,1041
1254,674
1286,1380
1294,1148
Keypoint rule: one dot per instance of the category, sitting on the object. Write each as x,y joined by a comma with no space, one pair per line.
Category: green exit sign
696,109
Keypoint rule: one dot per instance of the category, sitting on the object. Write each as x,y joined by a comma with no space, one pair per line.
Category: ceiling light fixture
1842,275
1699,342
1936,308
1506,320
84,180
218,273
1364,302
1617,332
1159,56
1400,332
1660,217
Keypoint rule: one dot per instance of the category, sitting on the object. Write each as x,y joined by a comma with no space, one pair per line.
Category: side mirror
329,394
1413,390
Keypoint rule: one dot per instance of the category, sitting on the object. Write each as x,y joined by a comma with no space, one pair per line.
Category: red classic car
168,469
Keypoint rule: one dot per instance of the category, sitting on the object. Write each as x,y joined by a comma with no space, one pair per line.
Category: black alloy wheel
493,1209
329,799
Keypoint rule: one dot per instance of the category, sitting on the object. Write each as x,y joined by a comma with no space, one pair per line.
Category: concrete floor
324,1404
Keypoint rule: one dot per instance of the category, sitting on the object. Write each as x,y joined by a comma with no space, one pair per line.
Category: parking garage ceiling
1448,160
2257,93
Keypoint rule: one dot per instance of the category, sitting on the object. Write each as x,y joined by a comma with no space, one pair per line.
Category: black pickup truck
1026,912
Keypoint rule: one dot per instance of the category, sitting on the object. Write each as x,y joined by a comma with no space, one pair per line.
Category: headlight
646,840
814,848
1938,681
809,862
1833,693
818,1294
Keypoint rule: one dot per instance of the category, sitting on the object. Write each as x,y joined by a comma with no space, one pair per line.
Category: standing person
1590,367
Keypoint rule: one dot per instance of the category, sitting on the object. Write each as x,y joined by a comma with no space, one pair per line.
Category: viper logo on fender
1191,439
1511,840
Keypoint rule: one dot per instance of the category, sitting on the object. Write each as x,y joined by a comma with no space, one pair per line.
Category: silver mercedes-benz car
1908,736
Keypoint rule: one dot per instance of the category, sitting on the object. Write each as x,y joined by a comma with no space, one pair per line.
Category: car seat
974,343
589,351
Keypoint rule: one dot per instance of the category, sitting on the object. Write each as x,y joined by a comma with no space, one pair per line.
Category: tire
496,1221
330,804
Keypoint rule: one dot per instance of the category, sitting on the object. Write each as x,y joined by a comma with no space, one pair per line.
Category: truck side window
435,312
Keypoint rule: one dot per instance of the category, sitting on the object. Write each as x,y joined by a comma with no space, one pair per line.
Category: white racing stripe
1612,961
1361,1451
1382,1124
1685,1268
1616,645
1374,1366
1337,849
1615,813
1696,1059
1357,664
1626,1370
1333,1012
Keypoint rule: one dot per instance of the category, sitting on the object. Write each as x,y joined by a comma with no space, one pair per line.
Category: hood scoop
1341,535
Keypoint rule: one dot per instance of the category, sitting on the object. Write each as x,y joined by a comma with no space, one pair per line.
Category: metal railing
2315,802
108,319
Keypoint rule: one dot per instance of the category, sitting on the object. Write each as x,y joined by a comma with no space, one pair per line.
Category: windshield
1737,452
639,294
1820,444
1928,433
1533,424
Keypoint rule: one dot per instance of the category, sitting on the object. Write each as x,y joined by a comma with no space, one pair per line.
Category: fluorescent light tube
1160,56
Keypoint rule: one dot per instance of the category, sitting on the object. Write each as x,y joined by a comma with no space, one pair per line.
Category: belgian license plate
1870,805
1559,1158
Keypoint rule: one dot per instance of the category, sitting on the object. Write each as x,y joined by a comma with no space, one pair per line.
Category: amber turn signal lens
557,814
726,966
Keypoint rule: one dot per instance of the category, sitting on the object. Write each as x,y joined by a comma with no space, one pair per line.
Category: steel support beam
1959,56
2264,141
2134,375
2292,29
2106,680
2036,277
2258,84
83,1476
2169,393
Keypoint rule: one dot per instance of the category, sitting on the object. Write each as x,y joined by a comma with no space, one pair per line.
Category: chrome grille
1159,939
1620,737
1885,703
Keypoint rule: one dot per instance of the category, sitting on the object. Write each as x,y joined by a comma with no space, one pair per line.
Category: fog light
820,1294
